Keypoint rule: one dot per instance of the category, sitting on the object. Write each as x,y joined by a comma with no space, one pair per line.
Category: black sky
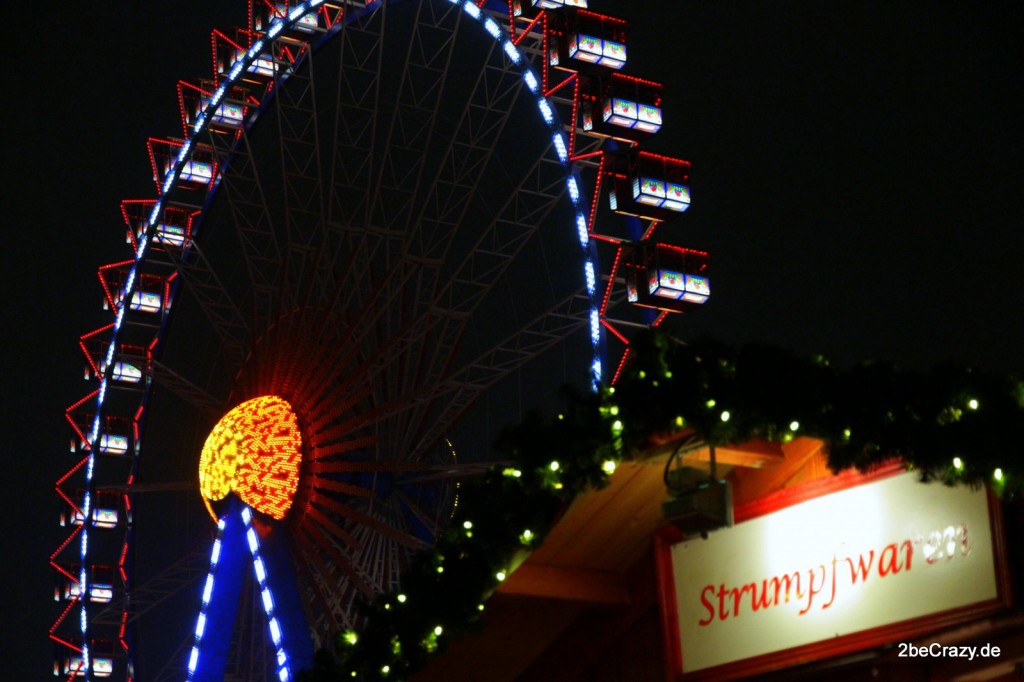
857,180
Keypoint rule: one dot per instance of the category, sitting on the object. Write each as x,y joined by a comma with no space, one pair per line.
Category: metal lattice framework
376,212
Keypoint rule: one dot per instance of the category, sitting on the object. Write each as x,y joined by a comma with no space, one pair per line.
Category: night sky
857,181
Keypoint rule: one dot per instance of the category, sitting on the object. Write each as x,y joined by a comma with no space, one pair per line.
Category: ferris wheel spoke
322,483
185,389
328,523
325,451
462,388
319,600
368,520
250,214
421,85
338,558
473,280
361,56
450,472
360,319
447,198
509,354
325,561
354,387
208,291
380,560
430,521
180,575
431,241
429,470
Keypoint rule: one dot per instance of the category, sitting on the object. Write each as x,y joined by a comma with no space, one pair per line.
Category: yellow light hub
255,450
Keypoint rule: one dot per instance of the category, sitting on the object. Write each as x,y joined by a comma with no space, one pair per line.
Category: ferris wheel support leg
281,581
229,561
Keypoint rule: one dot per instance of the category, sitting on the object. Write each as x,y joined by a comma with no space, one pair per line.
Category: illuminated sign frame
890,555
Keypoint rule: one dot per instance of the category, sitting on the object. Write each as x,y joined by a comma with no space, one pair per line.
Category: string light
638,417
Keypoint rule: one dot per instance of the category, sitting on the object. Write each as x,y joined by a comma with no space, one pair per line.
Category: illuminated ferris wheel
387,227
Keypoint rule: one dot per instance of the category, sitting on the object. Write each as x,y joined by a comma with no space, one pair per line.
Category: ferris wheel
386,229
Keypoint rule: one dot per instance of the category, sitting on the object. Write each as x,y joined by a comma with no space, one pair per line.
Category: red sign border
668,536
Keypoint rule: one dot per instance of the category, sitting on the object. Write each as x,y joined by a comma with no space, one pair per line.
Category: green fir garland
952,424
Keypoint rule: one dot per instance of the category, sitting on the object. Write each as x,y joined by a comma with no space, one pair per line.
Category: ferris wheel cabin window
101,584
588,39
101,654
621,107
649,186
666,277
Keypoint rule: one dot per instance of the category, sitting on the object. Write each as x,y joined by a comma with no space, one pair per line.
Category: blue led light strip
173,175
202,122
193,658
572,183
283,669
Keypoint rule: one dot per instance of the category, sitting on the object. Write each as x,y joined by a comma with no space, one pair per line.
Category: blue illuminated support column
293,647
208,658
238,542
279,592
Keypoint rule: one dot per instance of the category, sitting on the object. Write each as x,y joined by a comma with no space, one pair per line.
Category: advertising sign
855,568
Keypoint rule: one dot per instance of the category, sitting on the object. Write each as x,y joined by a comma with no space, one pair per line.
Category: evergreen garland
951,424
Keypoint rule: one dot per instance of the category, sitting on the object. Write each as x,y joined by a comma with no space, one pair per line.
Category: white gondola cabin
666,277
621,107
585,40
263,66
72,663
101,585
531,8
307,23
226,115
105,513
649,186
197,169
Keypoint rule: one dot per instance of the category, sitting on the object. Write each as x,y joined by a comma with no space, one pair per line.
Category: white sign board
862,558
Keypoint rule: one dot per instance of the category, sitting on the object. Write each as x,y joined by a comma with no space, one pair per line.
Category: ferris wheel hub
254,451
